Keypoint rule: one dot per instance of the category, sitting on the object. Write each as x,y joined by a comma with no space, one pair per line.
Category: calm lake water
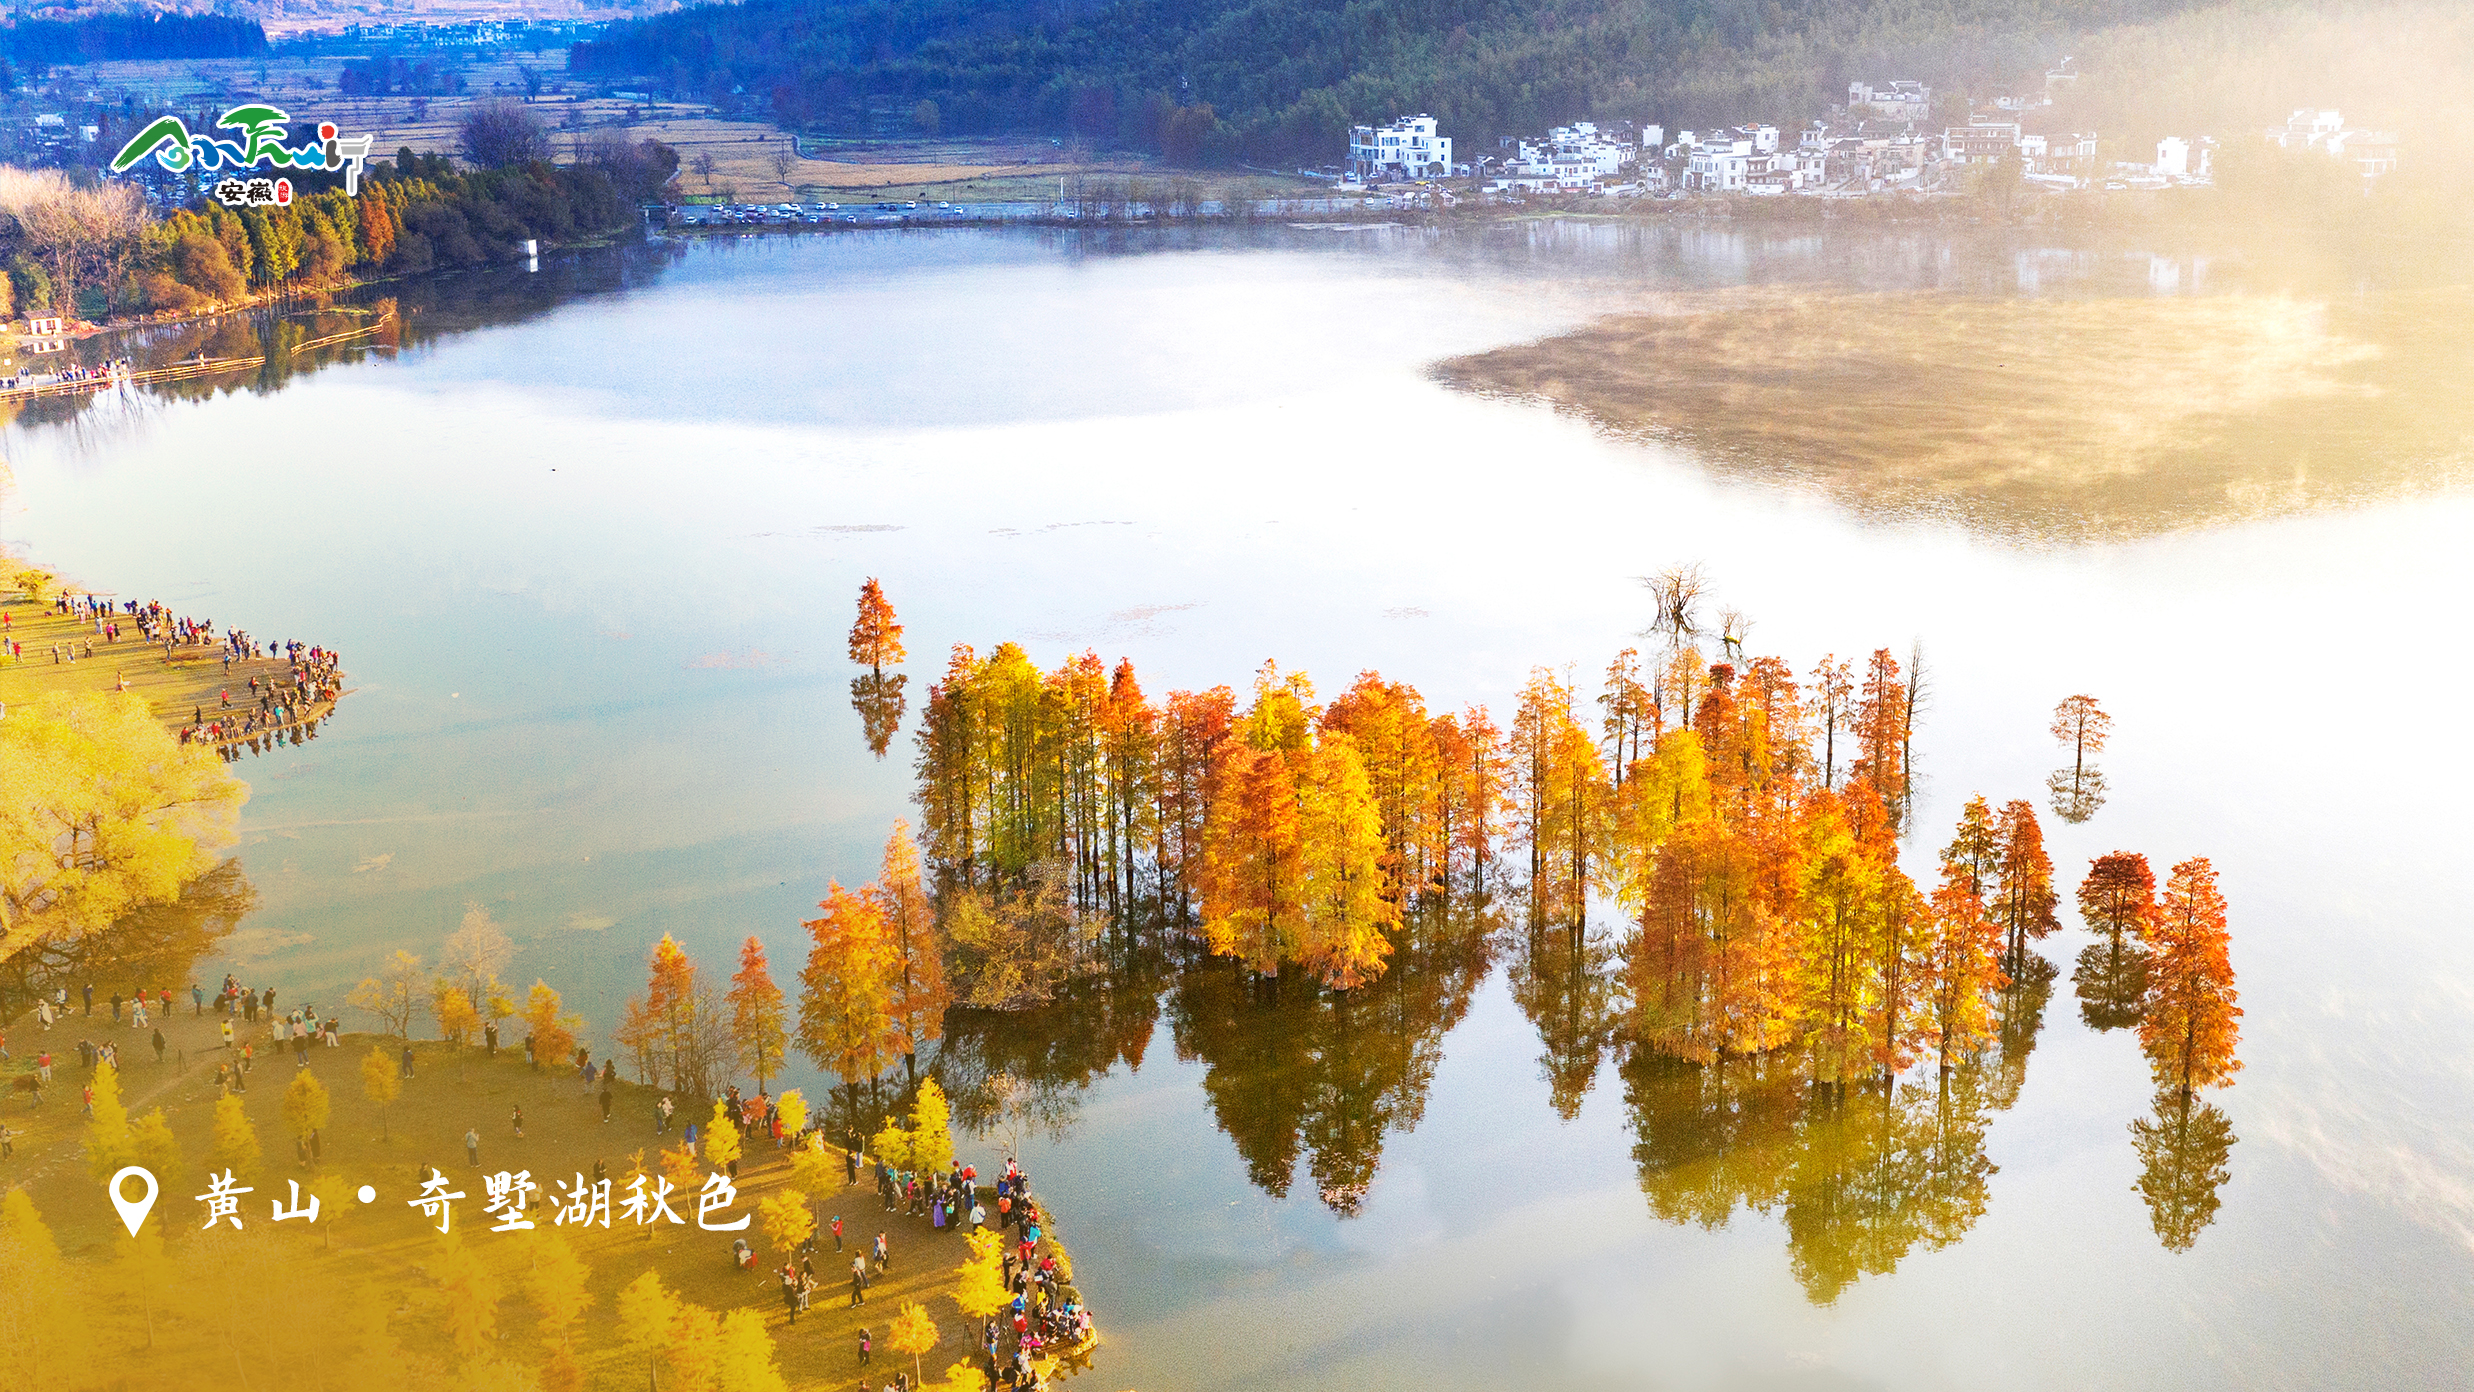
589,542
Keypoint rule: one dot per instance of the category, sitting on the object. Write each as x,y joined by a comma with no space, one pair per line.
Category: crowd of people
313,680
100,374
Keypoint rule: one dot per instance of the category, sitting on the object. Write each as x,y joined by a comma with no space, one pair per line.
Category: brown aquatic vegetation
2038,417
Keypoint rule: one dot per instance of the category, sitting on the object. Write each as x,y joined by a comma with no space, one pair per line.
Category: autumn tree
846,995
474,954
981,1291
931,1130
2023,895
876,637
392,994
722,1146
2117,900
1559,799
1882,731
1253,870
1833,709
786,1219
2081,725
553,1031
556,1284
912,1333
234,1144
918,974
1346,921
743,1359
676,1029
1960,970
381,1084
106,813
305,1104
2189,1022
758,1018
646,1312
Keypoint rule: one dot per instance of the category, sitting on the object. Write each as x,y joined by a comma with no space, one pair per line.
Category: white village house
1408,148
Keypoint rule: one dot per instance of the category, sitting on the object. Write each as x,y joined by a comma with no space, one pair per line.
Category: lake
588,542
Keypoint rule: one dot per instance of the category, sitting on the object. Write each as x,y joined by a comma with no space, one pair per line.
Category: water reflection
2042,417
1561,982
270,347
877,697
1291,1069
2183,1146
151,948
2111,979
1861,1174
1012,1075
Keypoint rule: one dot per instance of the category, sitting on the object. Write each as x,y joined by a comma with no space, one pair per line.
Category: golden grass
387,1243
192,680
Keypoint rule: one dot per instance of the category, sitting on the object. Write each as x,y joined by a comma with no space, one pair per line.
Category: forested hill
1285,77
104,37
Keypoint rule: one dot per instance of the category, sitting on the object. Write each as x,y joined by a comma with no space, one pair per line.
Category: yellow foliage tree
152,1145
382,1084
554,1033
793,1107
981,1291
1348,921
912,1333
891,1146
695,1352
786,1219
46,1343
746,1361
305,1105
685,1171
556,1286
468,1293
931,1135
646,1311
452,1006
106,813
721,1136
814,1169
107,1135
234,1146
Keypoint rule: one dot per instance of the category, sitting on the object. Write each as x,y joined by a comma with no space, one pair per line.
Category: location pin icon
133,1214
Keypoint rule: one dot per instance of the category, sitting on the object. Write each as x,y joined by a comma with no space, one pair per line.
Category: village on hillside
1883,141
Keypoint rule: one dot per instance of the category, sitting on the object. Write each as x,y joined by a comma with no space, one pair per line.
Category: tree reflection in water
2111,979
1561,982
1011,1074
150,948
877,696
2183,1146
1291,1068
1861,1175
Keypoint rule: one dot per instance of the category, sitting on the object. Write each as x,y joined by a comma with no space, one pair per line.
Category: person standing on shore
472,1147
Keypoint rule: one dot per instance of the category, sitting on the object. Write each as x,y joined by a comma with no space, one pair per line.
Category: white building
2372,153
1408,148
1722,165
1902,98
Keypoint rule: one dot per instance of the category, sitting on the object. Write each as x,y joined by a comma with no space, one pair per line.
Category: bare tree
704,165
501,132
1677,591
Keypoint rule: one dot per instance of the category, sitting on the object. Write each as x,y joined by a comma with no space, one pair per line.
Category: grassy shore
388,1244
191,680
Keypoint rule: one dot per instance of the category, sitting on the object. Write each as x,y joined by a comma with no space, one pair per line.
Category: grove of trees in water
1312,890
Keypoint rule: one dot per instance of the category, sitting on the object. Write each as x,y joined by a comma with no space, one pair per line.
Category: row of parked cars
787,214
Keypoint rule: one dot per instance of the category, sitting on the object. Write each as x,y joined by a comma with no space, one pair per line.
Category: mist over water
589,557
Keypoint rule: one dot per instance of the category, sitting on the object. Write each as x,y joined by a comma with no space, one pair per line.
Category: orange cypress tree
756,1013
920,995
2023,896
1252,872
2189,1027
2118,896
2080,723
1959,971
846,992
876,637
